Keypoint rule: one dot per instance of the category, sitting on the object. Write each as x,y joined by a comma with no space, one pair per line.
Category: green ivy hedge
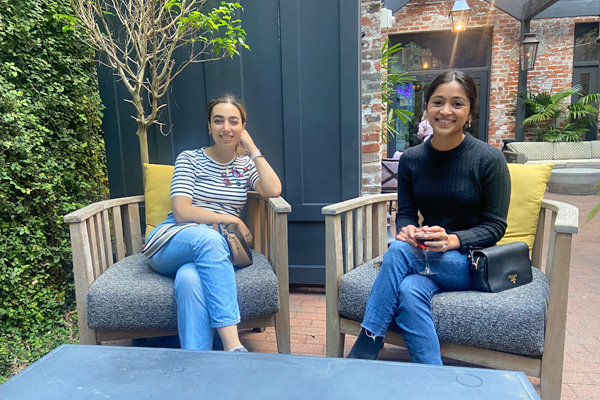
52,161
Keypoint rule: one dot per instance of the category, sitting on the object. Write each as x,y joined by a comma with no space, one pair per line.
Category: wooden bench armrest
567,216
266,219
338,208
355,232
564,223
278,204
514,157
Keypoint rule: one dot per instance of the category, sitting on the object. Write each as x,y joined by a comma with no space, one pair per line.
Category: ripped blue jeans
401,294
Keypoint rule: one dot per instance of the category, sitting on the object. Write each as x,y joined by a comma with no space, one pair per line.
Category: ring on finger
444,246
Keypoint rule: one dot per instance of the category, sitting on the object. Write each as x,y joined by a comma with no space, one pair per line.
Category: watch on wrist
256,154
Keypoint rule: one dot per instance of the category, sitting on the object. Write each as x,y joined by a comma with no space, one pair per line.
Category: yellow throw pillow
528,184
158,194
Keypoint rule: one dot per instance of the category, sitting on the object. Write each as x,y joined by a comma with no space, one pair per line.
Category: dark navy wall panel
300,82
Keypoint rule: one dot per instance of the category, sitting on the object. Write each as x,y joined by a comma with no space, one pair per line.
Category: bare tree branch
148,33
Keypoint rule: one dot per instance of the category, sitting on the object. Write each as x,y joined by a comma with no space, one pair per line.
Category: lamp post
528,50
459,16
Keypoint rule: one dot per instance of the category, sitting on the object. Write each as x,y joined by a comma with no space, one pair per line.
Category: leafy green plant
548,112
389,82
140,40
596,208
52,162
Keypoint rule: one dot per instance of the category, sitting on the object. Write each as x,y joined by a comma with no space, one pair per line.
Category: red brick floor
581,379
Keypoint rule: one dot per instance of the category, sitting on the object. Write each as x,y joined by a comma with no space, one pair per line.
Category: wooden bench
107,232
355,233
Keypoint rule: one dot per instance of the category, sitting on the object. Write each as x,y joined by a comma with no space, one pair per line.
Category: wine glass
420,239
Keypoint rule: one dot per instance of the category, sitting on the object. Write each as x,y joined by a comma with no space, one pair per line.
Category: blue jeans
401,294
205,289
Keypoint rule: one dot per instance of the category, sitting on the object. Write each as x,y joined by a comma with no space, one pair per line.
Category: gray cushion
131,295
572,151
533,150
511,321
595,148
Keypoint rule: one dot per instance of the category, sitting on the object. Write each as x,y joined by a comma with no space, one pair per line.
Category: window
442,50
585,42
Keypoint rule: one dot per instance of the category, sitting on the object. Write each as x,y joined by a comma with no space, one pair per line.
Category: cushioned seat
130,295
511,321
562,154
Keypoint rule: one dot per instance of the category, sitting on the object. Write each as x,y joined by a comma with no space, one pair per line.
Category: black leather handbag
498,268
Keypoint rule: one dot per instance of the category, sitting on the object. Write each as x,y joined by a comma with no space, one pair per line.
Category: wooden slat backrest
358,236
108,248
118,233
93,243
262,206
361,231
349,240
131,229
96,243
267,221
105,244
367,231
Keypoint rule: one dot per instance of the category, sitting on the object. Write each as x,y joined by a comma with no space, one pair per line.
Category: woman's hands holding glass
434,238
427,238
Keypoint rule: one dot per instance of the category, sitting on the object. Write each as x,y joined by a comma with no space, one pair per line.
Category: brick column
371,97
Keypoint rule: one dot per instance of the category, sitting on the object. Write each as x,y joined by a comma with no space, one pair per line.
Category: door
300,82
587,78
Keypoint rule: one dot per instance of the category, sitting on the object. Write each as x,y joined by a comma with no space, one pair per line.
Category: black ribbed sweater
465,190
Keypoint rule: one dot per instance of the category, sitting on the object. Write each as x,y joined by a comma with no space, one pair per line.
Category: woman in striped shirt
209,186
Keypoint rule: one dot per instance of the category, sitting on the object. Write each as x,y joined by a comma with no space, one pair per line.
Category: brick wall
371,97
553,70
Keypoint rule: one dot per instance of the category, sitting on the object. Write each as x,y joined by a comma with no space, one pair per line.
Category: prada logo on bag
513,278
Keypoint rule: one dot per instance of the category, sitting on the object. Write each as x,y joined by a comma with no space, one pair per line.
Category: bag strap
471,255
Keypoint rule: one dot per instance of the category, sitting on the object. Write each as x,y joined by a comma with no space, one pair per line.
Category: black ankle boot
365,347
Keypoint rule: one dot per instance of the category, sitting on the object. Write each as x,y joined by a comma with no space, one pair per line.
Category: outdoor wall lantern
426,58
528,49
459,16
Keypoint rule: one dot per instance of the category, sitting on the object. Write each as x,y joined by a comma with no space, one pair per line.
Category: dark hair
464,79
226,98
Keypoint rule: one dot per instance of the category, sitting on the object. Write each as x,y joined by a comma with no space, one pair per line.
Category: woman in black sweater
461,186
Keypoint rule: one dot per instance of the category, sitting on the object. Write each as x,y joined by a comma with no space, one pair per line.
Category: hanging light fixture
459,16
426,58
528,49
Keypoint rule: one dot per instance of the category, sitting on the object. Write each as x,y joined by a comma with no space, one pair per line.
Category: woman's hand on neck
446,143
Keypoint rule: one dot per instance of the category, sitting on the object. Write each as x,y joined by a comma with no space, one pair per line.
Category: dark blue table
107,372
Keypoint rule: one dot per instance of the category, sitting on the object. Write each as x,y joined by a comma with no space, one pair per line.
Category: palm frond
565,92
592,213
542,114
579,112
590,99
